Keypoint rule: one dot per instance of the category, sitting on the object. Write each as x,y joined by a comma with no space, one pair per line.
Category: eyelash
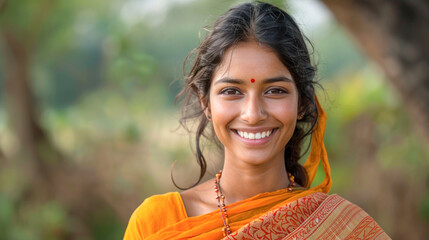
224,91
237,92
279,90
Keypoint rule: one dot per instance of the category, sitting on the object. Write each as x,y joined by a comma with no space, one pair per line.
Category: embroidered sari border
337,218
278,223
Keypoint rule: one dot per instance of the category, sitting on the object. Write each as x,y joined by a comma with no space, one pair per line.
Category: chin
256,159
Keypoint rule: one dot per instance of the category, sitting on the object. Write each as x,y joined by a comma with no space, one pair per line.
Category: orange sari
302,214
316,216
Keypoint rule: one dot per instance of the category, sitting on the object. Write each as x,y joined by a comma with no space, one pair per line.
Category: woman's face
253,104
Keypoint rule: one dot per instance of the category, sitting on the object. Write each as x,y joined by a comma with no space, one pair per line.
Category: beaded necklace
221,200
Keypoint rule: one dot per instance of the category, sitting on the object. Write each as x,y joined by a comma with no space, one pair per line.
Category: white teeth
257,135
251,136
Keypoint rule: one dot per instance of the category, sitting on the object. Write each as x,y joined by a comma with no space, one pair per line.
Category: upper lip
254,129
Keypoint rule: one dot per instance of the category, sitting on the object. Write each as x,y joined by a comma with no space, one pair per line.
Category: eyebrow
265,81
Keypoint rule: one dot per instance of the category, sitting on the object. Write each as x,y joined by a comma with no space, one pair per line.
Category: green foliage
425,205
105,94
6,214
106,226
42,221
129,71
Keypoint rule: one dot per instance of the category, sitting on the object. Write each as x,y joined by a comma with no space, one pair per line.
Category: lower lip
260,141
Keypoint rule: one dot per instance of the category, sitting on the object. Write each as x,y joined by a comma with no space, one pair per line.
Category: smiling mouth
255,135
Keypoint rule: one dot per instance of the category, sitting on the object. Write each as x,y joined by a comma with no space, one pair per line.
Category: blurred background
88,128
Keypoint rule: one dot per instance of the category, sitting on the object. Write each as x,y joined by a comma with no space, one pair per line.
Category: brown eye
230,91
276,91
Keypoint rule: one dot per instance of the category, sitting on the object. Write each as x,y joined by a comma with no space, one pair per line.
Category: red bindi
252,80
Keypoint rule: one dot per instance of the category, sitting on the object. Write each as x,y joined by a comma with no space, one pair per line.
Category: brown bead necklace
221,200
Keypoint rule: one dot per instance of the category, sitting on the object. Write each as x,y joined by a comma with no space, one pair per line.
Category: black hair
272,27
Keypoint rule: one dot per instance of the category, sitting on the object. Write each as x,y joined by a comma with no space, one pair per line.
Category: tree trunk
21,109
395,34
50,175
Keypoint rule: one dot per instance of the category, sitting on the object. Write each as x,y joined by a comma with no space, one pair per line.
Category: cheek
222,112
222,115
286,110
285,113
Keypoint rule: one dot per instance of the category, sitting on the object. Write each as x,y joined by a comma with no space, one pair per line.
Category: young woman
252,85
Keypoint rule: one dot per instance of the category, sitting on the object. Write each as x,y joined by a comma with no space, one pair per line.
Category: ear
205,106
301,113
207,111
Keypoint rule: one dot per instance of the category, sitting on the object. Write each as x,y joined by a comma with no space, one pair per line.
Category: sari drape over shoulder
305,213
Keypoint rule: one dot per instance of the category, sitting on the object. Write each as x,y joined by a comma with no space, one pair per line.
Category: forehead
250,59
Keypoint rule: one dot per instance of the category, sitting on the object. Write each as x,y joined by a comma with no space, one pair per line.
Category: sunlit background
103,75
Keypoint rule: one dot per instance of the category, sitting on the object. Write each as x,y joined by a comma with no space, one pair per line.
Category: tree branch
395,35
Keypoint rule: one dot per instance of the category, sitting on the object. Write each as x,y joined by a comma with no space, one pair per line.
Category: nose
253,110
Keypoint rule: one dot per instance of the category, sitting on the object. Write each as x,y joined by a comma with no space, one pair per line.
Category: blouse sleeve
154,214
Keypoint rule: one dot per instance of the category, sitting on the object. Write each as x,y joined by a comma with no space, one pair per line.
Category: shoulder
341,208
359,223
155,213
333,203
157,204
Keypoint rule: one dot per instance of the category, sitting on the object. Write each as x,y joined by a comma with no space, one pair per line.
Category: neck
239,183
